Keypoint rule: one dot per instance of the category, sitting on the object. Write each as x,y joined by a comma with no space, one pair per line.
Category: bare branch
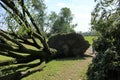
19,61
10,39
23,40
21,2
11,54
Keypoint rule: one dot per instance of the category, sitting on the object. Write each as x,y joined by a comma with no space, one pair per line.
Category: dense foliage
106,21
69,45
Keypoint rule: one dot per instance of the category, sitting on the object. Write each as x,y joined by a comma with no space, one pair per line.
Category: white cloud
83,21
61,5
82,16
46,0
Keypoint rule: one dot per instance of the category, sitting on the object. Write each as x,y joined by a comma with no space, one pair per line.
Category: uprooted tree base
69,45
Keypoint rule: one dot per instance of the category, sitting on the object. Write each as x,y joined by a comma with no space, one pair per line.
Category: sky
81,10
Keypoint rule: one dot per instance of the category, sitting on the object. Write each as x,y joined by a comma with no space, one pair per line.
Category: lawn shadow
75,58
70,58
17,74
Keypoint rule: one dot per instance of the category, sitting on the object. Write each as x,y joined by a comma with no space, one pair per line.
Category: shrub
105,66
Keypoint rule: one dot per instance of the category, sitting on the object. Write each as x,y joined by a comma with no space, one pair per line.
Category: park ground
64,69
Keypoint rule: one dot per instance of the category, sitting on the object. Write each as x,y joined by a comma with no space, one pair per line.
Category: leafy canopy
106,21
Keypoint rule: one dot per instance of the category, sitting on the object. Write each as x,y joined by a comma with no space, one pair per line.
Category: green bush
105,66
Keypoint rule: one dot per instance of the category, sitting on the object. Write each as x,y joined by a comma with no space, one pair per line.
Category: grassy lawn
90,38
63,69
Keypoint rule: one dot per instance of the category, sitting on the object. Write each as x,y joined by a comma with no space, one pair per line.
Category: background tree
106,21
62,22
13,44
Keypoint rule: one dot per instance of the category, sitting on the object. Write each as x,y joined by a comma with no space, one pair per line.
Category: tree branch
19,61
25,41
12,14
11,54
12,6
21,2
12,40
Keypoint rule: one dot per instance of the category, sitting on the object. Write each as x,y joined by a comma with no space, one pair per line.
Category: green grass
63,69
90,38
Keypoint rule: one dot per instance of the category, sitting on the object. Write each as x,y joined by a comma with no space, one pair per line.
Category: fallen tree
14,45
